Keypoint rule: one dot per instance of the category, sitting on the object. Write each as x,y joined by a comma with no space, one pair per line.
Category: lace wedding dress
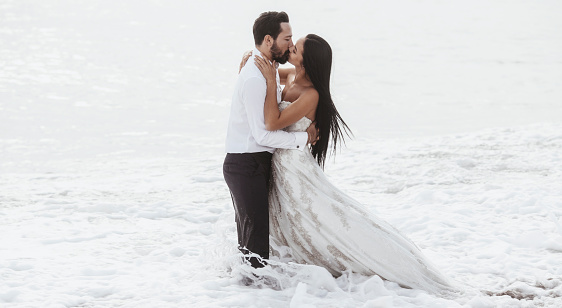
325,227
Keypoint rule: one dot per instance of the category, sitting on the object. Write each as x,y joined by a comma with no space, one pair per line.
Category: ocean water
112,127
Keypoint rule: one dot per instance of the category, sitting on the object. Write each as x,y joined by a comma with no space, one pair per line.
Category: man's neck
264,52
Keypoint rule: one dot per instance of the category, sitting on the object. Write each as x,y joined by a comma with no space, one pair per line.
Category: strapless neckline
299,126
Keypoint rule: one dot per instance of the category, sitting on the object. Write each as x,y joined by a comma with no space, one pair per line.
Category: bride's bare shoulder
309,97
311,93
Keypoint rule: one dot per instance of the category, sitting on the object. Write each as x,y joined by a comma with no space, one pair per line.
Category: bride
317,221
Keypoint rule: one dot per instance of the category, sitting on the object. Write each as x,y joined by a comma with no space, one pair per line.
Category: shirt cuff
301,139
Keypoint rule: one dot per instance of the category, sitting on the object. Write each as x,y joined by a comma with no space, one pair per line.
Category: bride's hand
268,70
245,58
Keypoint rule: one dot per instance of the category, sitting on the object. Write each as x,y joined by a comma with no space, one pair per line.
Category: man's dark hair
268,23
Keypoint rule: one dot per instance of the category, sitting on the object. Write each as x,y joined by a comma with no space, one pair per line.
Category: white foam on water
112,128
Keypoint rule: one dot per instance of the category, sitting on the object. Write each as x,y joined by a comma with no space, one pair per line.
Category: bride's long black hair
317,61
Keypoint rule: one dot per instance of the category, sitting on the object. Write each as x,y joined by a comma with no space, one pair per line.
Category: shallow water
112,125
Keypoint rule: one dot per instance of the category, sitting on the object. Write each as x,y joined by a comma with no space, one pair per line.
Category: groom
249,146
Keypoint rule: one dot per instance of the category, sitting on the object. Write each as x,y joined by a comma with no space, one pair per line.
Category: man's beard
277,55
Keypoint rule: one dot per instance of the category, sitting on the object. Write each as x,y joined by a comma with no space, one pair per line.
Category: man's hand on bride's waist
313,133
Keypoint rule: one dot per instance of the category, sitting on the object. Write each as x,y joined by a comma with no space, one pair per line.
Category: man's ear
268,39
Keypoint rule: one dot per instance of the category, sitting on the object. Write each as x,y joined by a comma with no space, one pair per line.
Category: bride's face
295,58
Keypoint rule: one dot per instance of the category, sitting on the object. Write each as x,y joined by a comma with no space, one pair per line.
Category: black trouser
247,176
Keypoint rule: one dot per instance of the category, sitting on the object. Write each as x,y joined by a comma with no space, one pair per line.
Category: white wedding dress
323,226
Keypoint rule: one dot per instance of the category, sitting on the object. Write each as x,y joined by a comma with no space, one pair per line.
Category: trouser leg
247,177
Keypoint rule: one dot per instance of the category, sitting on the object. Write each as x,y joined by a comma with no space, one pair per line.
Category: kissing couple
277,141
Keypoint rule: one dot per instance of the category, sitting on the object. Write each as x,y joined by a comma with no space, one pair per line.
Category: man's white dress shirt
246,131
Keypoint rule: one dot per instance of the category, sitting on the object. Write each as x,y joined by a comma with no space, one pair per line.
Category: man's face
280,49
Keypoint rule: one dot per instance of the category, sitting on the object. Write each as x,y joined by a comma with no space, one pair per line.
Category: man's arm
253,96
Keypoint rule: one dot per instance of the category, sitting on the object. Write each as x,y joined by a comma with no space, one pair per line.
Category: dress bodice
300,126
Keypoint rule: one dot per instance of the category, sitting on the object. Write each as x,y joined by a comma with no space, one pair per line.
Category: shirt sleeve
253,95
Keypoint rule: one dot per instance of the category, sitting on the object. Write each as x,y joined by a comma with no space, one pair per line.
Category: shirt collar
256,52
